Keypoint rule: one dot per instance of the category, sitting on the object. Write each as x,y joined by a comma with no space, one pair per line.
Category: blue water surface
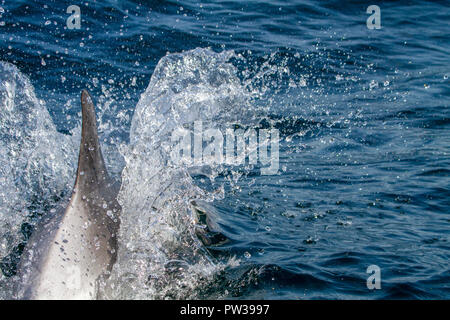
363,114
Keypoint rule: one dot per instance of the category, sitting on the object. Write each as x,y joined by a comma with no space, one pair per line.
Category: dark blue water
364,120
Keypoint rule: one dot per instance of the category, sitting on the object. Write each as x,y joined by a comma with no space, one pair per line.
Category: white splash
36,162
159,255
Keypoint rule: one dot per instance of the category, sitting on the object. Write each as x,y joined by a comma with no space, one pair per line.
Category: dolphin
73,249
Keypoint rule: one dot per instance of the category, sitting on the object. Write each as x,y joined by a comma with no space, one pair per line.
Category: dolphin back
91,171
71,252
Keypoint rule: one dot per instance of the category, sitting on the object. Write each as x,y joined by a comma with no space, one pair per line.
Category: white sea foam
36,162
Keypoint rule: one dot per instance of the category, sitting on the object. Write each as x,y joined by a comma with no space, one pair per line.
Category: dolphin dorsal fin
91,172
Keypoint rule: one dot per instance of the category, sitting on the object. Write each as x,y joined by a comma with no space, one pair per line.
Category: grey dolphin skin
74,249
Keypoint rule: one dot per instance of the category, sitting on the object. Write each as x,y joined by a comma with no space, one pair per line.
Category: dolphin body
74,249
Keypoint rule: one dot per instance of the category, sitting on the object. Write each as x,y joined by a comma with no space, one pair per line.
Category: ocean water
363,159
